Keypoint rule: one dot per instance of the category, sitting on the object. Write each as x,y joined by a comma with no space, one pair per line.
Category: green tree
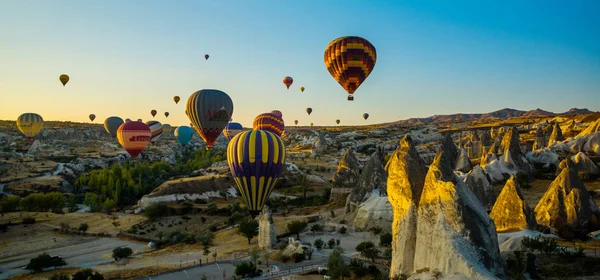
319,243
211,208
60,276
121,253
214,255
254,255
206,252
246,269
367,249
156,210
385,239
337,269
9,204
83,227
316,227
93,201
296,227
160,235
331,243
342,230
87,274
71,203
248,228
109,205
43,261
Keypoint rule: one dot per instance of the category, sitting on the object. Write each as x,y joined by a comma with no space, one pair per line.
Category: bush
246,269
87,274
28,221
9,204
43,261
385,239
342,230
295,227
331,243
60,276
298,257
156,211
316,227
376,230
121,253
213,227
343,222
319,243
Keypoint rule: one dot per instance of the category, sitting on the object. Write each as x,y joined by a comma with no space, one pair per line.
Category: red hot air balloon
269,122
296,122
134,137
287,81
153,113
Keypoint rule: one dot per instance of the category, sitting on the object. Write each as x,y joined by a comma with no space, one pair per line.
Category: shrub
156,211
60,276
342,230
376,230
343,221
9,204
331,243
246,269
213,227
83,228
298,257
28,221
87,274
319,243
39,263
385,239
121,253
316,227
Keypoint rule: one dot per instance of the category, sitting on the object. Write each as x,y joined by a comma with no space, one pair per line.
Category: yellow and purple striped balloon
30,124
256,159
269,122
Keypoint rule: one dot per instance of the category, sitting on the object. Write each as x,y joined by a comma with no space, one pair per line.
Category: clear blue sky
434,57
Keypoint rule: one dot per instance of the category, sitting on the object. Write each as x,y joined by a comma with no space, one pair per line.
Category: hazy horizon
433,58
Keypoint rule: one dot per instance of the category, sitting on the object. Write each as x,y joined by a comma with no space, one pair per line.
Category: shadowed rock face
556,135
486,139
540,140
320,145
406,176
510,145
345,178
373,176
510,210
454,233
463,163
450,149
479,184
567,207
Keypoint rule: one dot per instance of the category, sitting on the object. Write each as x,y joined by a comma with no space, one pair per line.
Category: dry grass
46,274
13,169
176,223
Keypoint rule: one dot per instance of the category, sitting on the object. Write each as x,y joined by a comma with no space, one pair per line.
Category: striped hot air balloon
30,124
183,134
350,60
287,81
111,124
156,129
134,137
256,159
209,110
277,113
269,122
231,129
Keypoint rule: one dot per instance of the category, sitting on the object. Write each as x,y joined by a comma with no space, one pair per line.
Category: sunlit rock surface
267,236
584,164
567,207
592,128
510,210
539,141
556,135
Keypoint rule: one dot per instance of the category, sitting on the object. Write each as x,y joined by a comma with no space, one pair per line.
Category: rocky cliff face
267,236
479,184
463,164
539,141
373,176
345,179
510,210
320,146
592,128
567,208
556,135
584,164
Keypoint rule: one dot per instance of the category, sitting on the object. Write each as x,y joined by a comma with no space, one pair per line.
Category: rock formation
345,178
567,208
376,210
556,135
510,210
406,176
592,128
373,176
450,148
479,184
267,236
454,233
543,158
463,164
438,221
539,141
585,164
510,145
320,146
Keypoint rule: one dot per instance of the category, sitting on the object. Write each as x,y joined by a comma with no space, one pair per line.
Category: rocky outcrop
373,176
479,184
454,233
543,158
267,237
406,177
450,148
35,147
376,210
463,164
567,208
345,179
556,135
539,141
585,164
320,146
512,162
592,128
510,210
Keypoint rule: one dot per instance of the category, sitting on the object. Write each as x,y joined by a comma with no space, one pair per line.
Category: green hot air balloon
337,121
111,124
209,110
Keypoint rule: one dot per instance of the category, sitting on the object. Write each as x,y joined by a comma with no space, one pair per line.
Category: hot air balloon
256,159
287,81
296,122
127,120
139,120
156,129
311,124
365,116
350,60
206,56
183,134
209,110
232,129
30,124
111,124
302,89
269,122
64,79
167,114
153,113
176,99
134,137
92,117
277,113
309,110
337,121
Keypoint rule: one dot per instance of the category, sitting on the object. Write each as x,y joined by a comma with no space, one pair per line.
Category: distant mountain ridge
502,114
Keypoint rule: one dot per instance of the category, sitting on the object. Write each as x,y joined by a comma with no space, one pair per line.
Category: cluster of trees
124,184
54,201
338,269
82,274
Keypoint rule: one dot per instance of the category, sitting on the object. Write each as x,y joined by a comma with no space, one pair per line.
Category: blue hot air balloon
231,129
183,134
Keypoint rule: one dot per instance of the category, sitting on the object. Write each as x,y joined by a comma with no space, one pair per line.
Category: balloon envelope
153,113
302,89
277,113
350,60
167,114
269,122
287,81
30,124
64,79
232,129
176,99
206,56
209,110
92,117
296,122
183,134
111,124
134,137
308,110
337,121
256,159
365,116
156,129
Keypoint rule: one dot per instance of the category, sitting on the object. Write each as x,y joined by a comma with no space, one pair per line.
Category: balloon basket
350,98
254,214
